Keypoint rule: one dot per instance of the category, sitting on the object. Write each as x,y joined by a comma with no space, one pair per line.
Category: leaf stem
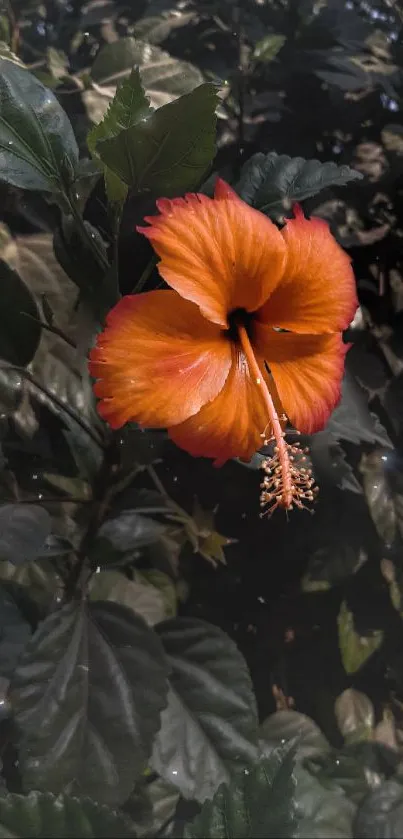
182,515
145,275
63,407
85,235
53,329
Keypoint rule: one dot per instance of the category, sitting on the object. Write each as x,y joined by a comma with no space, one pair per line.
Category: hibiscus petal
217,252
307,370
158,361
232,424
318,291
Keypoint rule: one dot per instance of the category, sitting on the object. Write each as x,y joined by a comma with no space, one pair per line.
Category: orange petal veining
232,424
307,370
218,252
157,361
318,291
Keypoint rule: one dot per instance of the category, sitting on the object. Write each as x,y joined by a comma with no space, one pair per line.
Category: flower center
237,318
287,480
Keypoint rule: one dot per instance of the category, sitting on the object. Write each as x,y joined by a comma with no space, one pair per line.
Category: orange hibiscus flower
250,334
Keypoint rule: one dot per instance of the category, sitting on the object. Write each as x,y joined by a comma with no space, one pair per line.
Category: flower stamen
288,481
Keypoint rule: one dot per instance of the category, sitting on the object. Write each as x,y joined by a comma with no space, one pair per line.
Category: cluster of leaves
116,709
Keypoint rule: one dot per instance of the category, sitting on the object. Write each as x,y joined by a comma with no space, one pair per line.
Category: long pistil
287,480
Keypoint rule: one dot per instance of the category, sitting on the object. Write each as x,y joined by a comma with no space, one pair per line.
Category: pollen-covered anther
295,488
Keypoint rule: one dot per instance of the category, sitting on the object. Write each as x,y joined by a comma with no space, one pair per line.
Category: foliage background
313,603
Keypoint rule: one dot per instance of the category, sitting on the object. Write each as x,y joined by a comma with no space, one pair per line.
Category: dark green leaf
272,182
24,529
38,149
267,48
80,265
210,723
380,498
163,77
128,106
15,633
352,420
87,697
330,565
381,814
171,150
290,726
46,816
120,538
340,771
143,599
354,649
157,28
20,330
321,807
39,580
257,803
152,807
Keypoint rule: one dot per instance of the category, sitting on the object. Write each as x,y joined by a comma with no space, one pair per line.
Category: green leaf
164,585
120,539
143,599
380,499
171,150
355,715
38,149
157,28
268,47
128,106
290,726
98,290
38,580
46,816
340,772
210,723
23,531
20,330
330,565
354,649
381,814
6,52
272,182
352,420
256,803
163,77
87,697
15,633
152,807
320,804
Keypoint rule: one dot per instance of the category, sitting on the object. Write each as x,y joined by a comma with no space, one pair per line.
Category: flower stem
89,241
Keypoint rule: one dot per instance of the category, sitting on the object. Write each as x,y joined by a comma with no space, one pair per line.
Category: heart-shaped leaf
171,150
272,182
128,106
87,697
210,723
354,649
38,149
